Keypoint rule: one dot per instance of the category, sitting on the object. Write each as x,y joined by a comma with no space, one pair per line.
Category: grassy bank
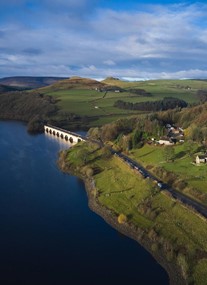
172,230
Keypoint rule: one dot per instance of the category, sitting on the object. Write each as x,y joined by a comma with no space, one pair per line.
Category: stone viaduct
64,134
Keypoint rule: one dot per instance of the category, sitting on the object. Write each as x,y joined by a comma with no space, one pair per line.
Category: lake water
48,235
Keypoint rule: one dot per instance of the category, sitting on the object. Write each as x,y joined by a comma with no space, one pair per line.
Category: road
175,194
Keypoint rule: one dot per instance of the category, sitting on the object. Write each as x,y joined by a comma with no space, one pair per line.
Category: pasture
99,106
183,165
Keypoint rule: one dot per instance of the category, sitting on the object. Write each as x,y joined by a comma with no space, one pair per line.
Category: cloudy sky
99,38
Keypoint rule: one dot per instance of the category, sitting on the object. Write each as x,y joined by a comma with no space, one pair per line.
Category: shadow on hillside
181,154
147,153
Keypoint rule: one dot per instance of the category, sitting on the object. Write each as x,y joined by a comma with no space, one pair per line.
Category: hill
89,97
118,82
6,88
29,82
191,118
75,83
95,101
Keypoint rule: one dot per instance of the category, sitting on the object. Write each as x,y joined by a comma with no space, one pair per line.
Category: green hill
94,99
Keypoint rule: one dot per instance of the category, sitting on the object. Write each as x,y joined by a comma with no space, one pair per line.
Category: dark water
48,235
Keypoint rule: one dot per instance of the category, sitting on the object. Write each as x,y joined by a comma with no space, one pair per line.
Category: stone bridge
64,134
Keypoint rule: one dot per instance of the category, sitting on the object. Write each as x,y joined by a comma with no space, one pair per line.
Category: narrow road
163,186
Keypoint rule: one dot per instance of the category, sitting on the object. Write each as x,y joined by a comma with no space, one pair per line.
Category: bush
35,125
152,235
122,219
89,172
154,247
181,261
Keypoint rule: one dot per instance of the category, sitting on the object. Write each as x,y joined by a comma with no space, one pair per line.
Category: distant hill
117,82
29,82
76,83
81,84
6,88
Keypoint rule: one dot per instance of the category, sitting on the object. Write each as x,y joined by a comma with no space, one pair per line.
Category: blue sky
91,38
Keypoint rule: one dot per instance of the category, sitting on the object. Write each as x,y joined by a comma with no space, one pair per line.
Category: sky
129,39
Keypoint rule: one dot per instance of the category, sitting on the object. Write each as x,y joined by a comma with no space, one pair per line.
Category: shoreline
129,230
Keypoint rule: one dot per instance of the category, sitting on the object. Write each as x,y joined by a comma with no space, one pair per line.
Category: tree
109,132
94,133
136,138
89,172
122,219
169,153
126,142
82,156
182,262
189,148
194,133
106,153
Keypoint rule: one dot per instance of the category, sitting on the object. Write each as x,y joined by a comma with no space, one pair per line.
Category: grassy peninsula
174,234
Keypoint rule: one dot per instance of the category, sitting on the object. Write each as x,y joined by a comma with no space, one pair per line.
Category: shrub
122,219
154,247
181,260
89,172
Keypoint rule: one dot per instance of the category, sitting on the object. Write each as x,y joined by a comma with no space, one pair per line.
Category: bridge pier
68,136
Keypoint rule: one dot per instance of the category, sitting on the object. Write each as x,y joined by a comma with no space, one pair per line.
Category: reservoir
48,234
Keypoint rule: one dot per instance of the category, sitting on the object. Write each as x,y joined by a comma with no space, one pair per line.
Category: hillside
29,82
118,82
6,88
75,83
97,101
195,116
89,97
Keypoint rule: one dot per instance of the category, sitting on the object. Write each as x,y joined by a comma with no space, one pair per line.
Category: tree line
154,106
139,92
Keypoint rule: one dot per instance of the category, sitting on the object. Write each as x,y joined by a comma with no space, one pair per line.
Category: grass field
200,274
86,101
167,223
183,166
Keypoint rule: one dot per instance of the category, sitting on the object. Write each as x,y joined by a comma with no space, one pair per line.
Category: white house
165,142
201,159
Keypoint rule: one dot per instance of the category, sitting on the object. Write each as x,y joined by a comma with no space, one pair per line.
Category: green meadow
86,101
183,166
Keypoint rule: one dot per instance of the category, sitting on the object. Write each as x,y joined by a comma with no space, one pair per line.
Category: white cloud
109,62
164,41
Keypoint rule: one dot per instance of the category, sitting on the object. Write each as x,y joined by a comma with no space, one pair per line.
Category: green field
91,102
170,225
86,101
183,165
